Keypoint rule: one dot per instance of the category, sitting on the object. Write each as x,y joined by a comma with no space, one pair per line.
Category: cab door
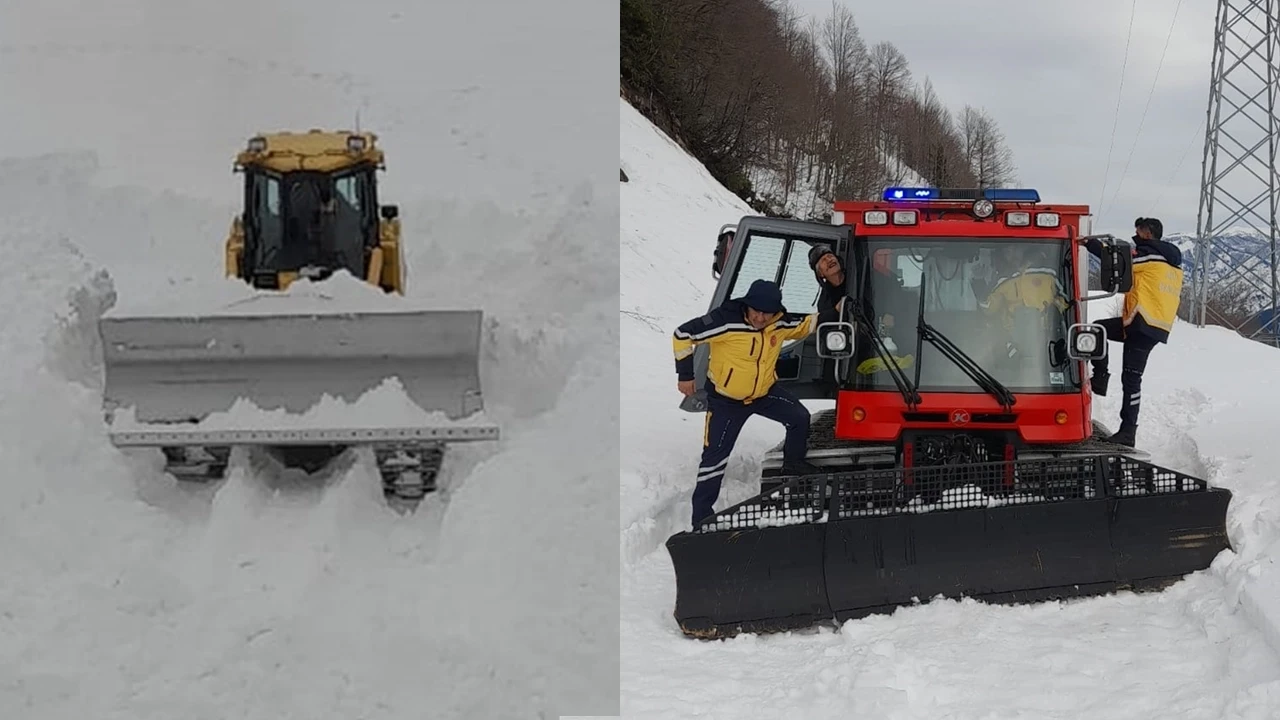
778,249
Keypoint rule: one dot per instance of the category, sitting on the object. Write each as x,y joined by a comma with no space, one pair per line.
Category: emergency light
910,193
993,194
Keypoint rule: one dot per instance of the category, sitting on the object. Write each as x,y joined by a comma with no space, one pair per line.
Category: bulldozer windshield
1002,302
305,219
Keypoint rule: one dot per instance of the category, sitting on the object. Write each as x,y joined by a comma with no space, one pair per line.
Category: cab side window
760,261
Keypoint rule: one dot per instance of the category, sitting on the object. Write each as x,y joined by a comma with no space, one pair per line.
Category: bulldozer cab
307,223
311,209
778,250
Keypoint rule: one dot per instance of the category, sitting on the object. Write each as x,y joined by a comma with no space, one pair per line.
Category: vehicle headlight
1086,343
836,341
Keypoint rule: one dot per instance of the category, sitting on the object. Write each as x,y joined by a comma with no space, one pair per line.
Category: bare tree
1231,304
768,98
989,158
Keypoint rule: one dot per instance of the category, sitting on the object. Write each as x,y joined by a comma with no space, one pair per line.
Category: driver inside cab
1026,286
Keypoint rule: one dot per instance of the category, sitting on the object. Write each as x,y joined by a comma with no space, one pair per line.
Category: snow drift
1198,650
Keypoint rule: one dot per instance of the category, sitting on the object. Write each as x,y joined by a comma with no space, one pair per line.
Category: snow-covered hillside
126,595
1205,648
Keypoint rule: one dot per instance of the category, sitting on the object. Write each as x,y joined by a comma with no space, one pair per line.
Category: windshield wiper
976,372
909,393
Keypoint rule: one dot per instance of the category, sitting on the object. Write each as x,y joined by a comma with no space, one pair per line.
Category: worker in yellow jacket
746,337
1023,296
1150,307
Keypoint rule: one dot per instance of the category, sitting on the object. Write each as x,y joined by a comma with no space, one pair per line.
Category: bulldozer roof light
356,144
993,194
257,144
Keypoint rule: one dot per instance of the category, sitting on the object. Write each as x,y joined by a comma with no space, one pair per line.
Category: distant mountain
1235,250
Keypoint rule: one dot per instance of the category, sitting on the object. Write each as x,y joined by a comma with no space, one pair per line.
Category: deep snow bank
323,580
1194,651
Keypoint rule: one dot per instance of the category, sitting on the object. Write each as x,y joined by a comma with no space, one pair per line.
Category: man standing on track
1150,308
746,337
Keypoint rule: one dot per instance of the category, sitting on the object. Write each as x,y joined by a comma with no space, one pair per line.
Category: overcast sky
1048,71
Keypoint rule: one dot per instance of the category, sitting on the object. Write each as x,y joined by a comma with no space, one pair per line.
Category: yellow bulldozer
197,385
308,195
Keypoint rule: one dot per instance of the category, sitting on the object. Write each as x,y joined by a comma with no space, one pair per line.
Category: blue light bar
910,193
993,194
1012,195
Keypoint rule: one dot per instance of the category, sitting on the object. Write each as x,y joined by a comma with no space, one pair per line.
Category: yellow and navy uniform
742,362
1151,305
1035,288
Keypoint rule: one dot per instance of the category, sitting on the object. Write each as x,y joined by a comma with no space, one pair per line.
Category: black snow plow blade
847,545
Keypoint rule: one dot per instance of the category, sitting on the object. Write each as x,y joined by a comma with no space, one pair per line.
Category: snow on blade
384,406
1203,649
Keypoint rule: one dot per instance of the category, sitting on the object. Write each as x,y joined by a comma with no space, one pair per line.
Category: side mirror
1086,342
724,241
1116,273
835,340
390,212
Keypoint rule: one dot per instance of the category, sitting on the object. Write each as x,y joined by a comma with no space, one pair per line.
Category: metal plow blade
846,545
181,369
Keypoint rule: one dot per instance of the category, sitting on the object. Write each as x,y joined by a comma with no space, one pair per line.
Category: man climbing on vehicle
745,336
1150,308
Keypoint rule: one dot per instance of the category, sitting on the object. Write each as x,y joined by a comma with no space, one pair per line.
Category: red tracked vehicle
963,459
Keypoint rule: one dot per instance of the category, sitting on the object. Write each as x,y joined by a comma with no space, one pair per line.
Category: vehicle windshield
1001,302
310,221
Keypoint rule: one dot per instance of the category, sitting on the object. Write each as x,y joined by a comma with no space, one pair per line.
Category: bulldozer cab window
265,219
1002,302
309,219
357,206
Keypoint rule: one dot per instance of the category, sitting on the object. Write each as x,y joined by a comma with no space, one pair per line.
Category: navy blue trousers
724,421
1137,348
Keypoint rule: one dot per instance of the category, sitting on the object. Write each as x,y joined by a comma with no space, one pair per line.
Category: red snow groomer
963,460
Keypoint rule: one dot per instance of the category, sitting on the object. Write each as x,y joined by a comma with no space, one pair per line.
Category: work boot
1099,383
801,467
1127,436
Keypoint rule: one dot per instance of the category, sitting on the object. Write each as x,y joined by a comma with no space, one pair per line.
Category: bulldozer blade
811,551
180,369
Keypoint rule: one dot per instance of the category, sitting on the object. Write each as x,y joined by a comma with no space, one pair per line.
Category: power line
1145,108
1173,175
1119,96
